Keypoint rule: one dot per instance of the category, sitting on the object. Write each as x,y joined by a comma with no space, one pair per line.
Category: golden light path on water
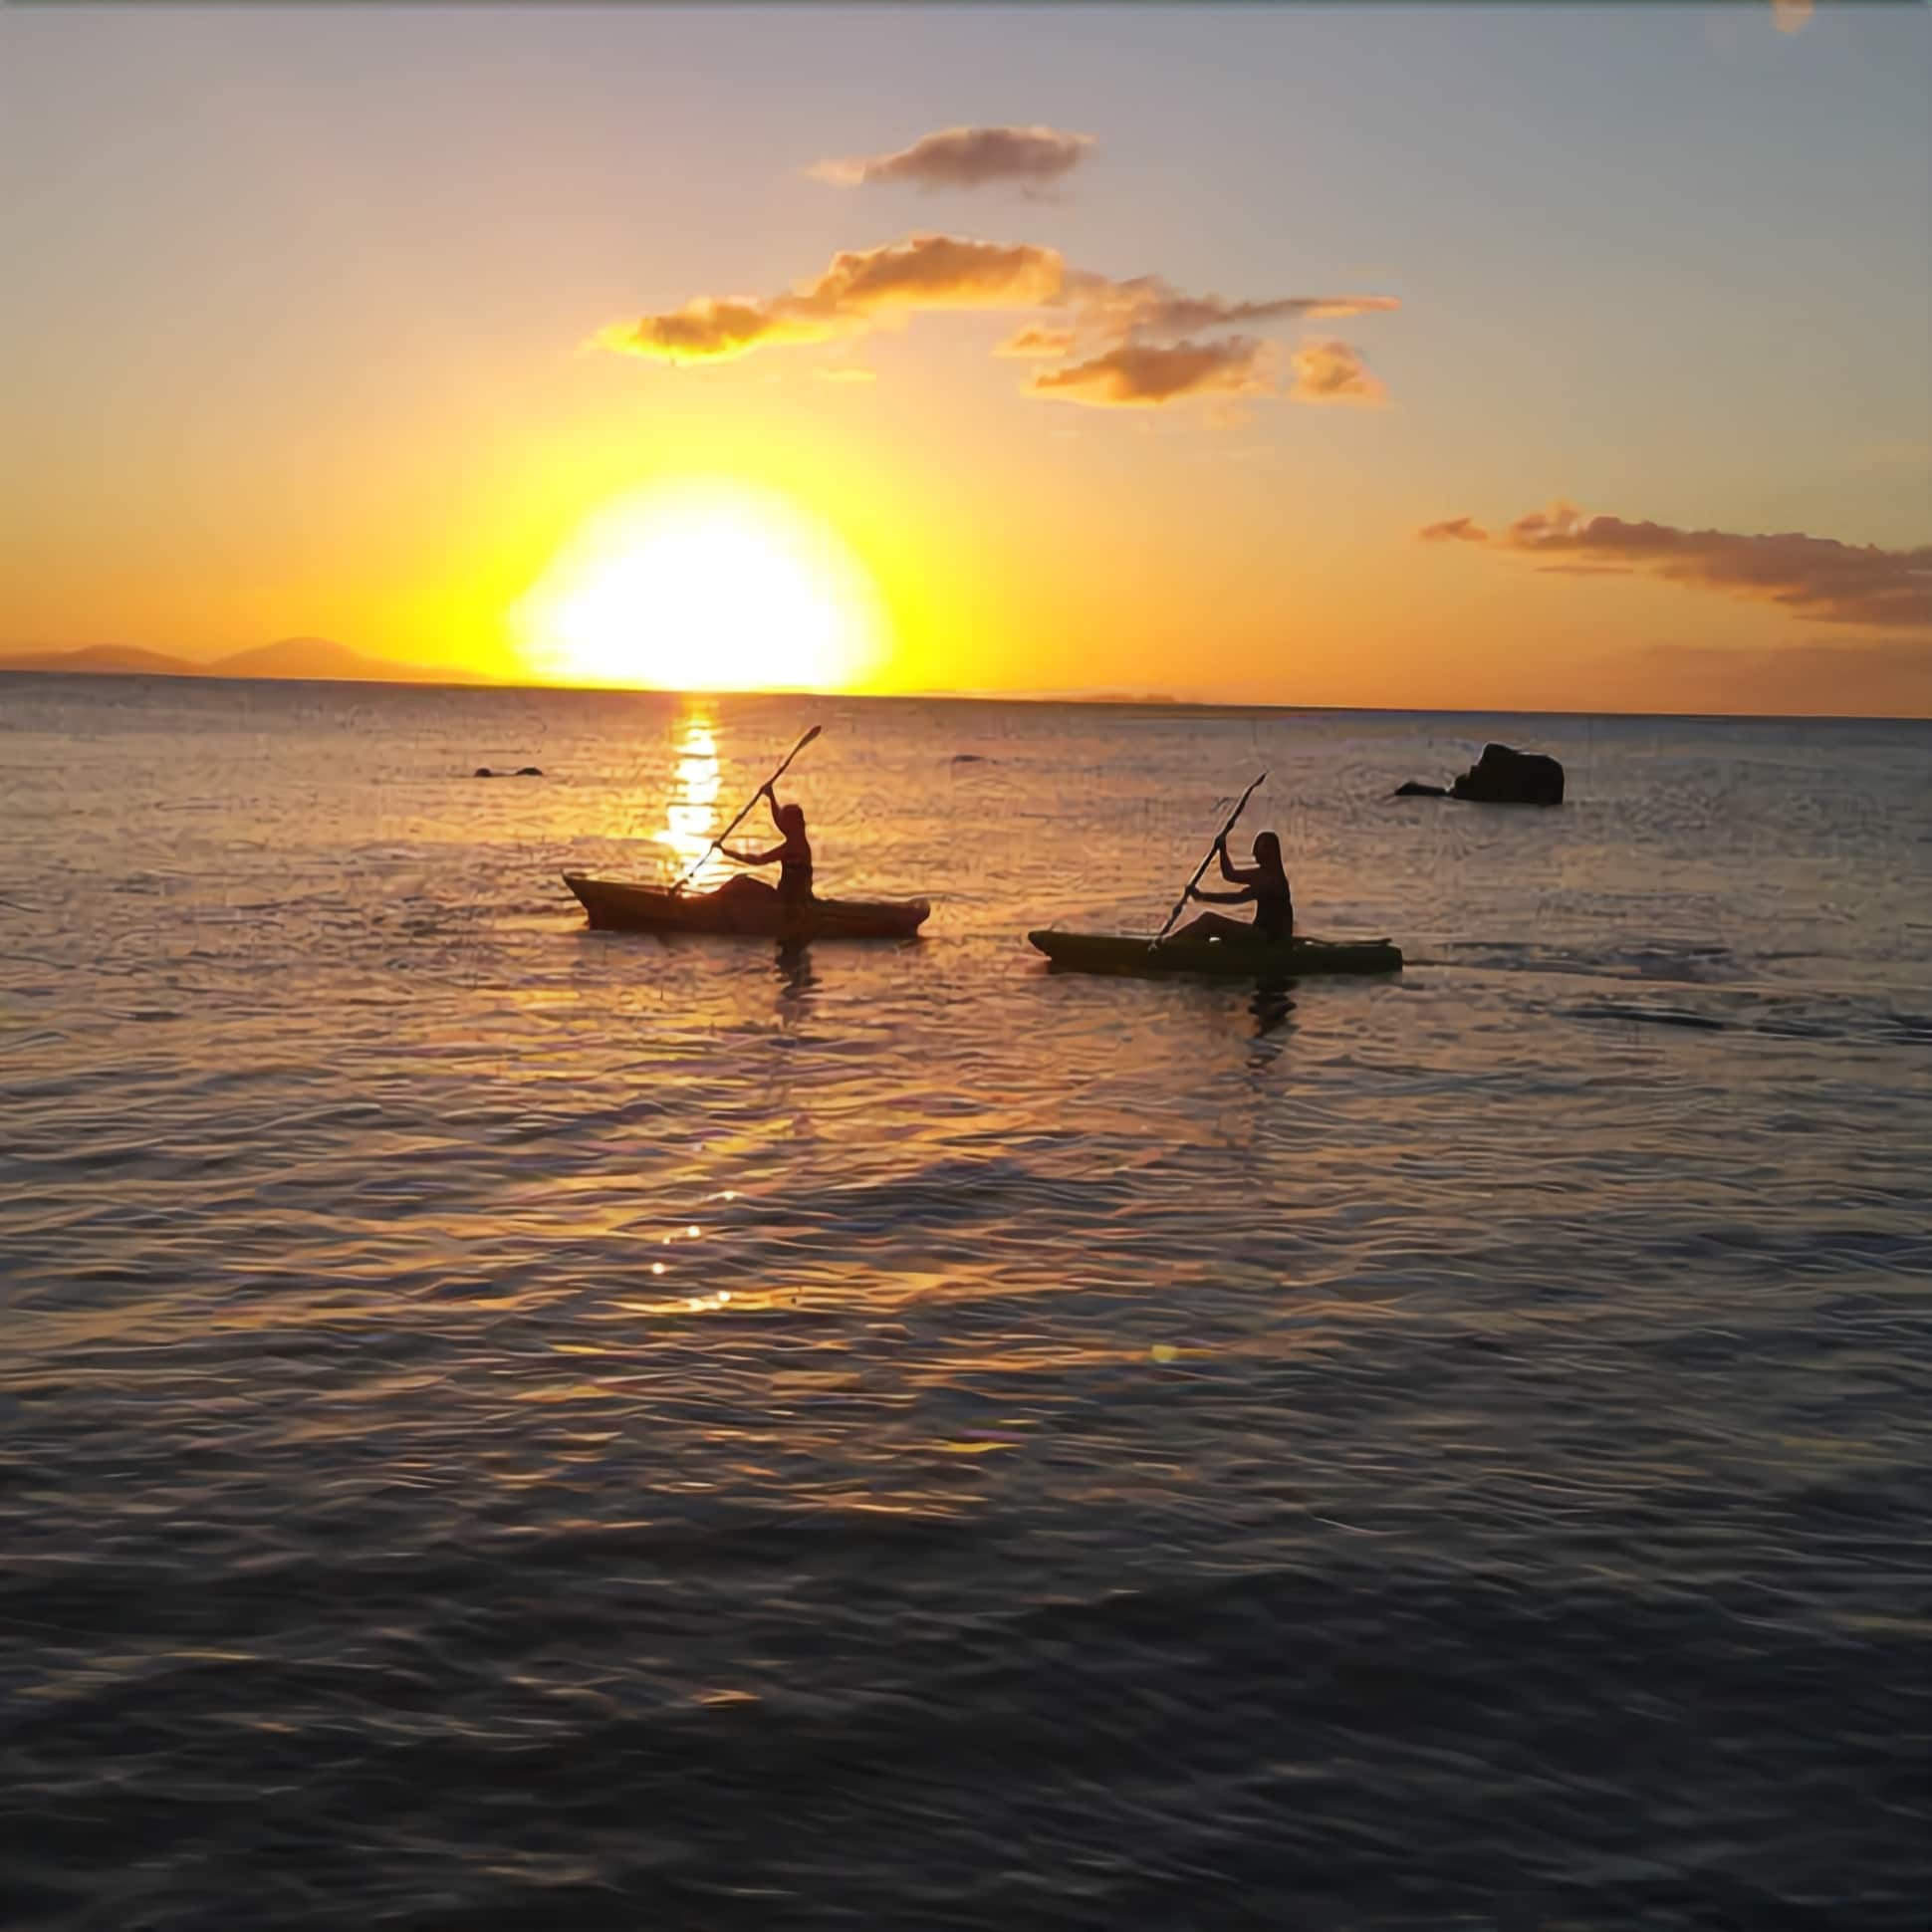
691,811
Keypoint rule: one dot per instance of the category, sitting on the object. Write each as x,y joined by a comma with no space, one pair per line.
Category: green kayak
1092,952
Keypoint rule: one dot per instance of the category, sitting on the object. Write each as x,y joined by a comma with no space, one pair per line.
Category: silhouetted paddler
1263,885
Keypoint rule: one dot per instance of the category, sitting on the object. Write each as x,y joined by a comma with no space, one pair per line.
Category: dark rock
1502,776
483,771
529,771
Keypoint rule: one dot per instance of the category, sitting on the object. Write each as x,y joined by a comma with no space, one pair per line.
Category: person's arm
756,857
1248,876
770,799
1241,898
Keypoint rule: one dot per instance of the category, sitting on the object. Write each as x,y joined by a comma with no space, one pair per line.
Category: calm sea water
504,1426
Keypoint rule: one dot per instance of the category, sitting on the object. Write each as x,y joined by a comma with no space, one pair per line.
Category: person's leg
1213,925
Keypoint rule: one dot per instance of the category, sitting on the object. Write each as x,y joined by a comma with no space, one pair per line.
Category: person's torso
1274,906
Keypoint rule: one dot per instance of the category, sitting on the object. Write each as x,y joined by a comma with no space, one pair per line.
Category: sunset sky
531,341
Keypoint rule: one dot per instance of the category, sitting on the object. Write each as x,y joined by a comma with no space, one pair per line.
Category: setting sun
708,586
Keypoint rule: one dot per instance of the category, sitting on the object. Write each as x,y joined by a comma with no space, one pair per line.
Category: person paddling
793,858
1264,886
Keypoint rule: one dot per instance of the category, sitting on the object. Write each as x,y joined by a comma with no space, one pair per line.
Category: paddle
749,803
1181,903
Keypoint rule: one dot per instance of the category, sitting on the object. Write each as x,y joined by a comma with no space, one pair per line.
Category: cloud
710,329
1037,339
1818,578
1138,340
859,288
939,272
846,372
1147,307
1457,530
1332,371
1143,373
968,157
1543,524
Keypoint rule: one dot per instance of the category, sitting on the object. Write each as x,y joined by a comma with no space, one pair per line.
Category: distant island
318,658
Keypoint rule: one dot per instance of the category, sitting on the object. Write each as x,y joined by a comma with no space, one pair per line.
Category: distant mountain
323,658
127,660
293,657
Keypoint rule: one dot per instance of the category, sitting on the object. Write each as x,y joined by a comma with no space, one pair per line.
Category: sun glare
705,587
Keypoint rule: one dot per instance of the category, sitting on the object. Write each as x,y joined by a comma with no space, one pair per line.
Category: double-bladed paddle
1219,840
749,803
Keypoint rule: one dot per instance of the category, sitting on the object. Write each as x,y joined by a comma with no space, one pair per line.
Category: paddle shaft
749,803
1220,837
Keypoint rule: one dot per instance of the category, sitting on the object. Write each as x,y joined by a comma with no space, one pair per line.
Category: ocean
509,1426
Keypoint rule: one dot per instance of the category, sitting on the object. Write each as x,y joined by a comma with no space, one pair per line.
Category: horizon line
1098,700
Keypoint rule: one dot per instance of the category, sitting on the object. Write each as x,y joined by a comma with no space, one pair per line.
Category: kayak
1092,952
615,905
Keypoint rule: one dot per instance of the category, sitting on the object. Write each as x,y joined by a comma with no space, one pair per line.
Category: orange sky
356,325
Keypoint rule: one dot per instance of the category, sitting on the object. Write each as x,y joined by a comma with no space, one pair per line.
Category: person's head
791,820
1267,850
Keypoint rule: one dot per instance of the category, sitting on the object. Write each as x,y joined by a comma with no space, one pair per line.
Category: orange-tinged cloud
1332,371
1813,577
1456,529
857,288
1145,307
968,157
1038,339
1138,374
711,330
938,272
1539,526
1134,341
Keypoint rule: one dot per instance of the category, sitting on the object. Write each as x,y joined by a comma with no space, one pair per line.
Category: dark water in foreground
508,1427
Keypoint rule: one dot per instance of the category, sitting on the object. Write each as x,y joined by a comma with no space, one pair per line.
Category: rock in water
483,771
1502,776
1415,790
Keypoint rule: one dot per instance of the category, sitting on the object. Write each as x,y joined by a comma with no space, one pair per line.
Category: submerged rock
1502,776
522,771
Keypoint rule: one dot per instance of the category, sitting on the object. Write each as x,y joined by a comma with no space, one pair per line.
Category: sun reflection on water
690,816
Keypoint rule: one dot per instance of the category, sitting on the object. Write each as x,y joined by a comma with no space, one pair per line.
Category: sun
707,585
